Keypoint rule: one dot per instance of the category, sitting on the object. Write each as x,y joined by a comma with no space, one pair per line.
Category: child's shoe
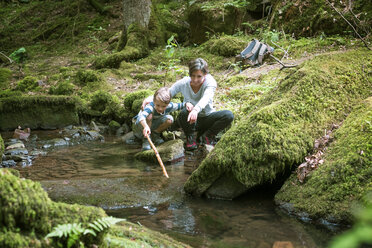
191,142
145,145
156,138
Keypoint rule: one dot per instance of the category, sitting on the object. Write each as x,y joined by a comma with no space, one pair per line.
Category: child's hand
146,131
189,106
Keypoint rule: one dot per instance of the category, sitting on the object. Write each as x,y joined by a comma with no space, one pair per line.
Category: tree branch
360,37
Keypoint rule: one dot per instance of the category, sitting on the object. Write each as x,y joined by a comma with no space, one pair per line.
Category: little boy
159,108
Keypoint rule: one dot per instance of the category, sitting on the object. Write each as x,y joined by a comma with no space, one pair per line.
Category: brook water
107,175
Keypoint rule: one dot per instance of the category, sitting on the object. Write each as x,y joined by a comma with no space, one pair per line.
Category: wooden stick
157,156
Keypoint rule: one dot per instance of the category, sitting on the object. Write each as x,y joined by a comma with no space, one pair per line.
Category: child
159,108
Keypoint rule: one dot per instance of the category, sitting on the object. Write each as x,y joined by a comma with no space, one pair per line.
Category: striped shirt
150,109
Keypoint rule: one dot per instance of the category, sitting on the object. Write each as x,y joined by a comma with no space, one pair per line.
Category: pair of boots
156,139
206,139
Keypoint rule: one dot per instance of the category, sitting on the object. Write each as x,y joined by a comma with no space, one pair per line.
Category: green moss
345,177
5,75
83,77
279,130
226,46
38,112
136,96
62,88
136,47
27,215
28,84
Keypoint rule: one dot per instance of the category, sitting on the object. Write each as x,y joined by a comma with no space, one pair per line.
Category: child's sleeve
173,106
142,115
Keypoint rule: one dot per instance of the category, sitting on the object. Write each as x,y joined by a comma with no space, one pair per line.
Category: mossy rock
30,217
133,101
46,112
226,46
5,76
331,191
29,83
83,77
279,130
26,220
168,151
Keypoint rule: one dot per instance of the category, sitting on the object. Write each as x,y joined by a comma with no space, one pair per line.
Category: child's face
160,106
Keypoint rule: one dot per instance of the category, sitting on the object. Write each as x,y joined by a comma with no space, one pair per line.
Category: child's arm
172,106
146,128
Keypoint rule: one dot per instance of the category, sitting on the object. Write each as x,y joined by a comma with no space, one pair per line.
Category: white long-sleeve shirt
203,99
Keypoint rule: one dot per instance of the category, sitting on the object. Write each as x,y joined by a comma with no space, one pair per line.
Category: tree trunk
134,11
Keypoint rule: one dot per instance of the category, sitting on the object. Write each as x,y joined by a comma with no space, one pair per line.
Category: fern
71,233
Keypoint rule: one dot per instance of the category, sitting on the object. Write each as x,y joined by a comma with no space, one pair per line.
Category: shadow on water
107,175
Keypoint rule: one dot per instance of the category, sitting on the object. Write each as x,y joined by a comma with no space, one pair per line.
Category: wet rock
94,126
94,135
226,187
15,146
16,158
168,151
55,143
130,139
36,153
17,151
8,163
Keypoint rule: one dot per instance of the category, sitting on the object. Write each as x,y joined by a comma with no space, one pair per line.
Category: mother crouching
200,120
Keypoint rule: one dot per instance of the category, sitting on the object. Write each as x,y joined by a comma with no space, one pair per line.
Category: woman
199,119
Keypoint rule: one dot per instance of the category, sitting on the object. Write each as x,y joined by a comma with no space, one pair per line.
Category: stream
105,174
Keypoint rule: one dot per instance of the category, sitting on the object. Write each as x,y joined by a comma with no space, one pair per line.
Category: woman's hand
146,131
146,101
189,106
193,116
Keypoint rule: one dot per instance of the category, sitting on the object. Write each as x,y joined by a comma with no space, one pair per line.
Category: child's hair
162,95
198,64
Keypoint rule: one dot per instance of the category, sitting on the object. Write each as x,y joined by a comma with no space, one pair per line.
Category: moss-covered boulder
330,191
280,129
168,151
27,215
46,112
226,46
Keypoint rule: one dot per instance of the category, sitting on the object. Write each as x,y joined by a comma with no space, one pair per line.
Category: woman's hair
198,64
162,95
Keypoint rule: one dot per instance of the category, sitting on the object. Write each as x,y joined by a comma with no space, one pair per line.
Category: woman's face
197,78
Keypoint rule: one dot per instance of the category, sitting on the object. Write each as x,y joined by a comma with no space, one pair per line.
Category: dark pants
213,123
